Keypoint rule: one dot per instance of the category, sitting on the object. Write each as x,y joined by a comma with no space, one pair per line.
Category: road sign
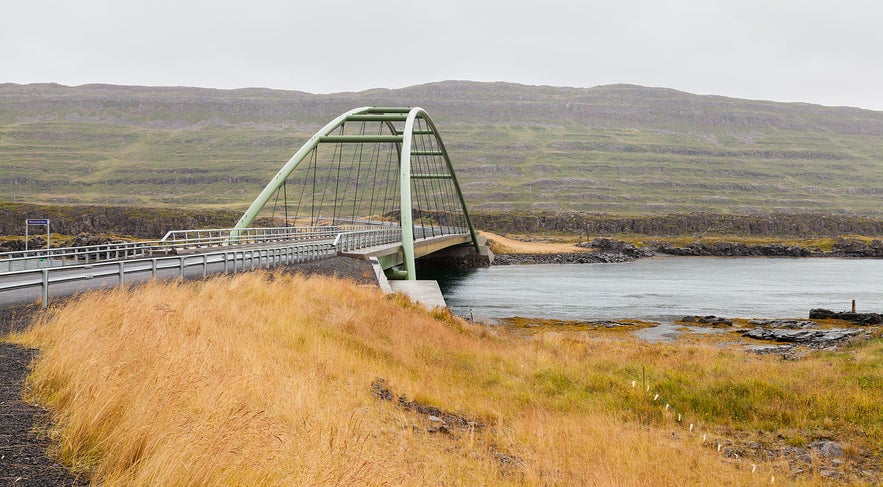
36,221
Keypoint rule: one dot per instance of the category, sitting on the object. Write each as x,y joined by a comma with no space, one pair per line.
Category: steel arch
404,146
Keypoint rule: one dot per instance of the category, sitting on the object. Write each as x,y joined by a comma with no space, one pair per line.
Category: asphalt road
26,287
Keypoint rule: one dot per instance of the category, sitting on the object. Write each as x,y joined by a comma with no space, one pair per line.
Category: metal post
153,268
44,295
182,266
204,265
121,272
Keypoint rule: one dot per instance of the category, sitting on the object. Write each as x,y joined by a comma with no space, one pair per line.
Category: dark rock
19,245
815,338
829,474
707,320
850,247
791,324
570,258
784,350
89,240
827,448
609,245
858,318
379,390
435,415
734,249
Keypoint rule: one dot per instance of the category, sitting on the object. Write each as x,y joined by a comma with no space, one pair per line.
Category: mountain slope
618,149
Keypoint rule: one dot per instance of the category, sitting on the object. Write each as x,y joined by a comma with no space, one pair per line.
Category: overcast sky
825,52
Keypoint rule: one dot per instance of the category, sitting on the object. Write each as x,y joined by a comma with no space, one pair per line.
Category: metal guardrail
232,260
63,256
295,246
348,241
424,231
172,242
246,236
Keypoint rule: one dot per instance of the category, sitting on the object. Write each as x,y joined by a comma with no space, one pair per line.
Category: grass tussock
266,379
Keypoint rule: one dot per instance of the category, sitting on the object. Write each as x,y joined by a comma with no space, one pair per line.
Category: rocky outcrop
789,324
850,247
609,245
770,225
19,245
572,258
150,223
803,332
858,318
707,320
810,337
89,240
734,249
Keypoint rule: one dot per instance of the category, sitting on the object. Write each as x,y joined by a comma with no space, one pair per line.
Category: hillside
616,149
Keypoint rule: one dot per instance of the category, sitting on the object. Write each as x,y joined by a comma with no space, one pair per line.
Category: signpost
38,222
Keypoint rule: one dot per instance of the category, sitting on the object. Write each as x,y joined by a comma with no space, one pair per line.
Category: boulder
858,318
707,320
609,245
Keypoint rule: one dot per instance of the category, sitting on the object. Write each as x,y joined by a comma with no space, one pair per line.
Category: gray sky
825,52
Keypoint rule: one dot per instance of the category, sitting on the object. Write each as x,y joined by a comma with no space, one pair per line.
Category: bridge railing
126,269
135,270
66,256
427,231
345,242
247,236
171,243
353,240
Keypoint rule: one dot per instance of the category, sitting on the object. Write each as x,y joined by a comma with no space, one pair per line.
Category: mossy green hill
617,149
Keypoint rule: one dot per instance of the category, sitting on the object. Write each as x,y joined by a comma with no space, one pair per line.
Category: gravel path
23,459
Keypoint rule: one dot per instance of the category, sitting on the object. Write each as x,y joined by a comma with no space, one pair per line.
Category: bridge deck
388,253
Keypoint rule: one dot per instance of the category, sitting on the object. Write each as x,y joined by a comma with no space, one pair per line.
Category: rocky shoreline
843,247
569,258
607,250
807,332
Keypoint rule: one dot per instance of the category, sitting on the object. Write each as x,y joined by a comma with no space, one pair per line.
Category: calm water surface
667,288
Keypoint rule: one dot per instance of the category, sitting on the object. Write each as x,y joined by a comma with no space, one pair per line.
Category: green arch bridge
384,173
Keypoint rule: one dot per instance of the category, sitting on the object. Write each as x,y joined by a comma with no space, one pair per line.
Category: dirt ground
23,458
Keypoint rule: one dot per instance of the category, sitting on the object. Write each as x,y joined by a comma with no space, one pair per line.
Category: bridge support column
405,216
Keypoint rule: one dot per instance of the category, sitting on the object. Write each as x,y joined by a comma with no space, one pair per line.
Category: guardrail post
204,266
153,268
44,294
182,266
121,272
226,258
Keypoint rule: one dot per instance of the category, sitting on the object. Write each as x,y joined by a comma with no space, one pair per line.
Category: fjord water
666,288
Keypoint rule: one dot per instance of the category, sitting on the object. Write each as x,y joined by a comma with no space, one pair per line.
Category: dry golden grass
265,379
504,245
